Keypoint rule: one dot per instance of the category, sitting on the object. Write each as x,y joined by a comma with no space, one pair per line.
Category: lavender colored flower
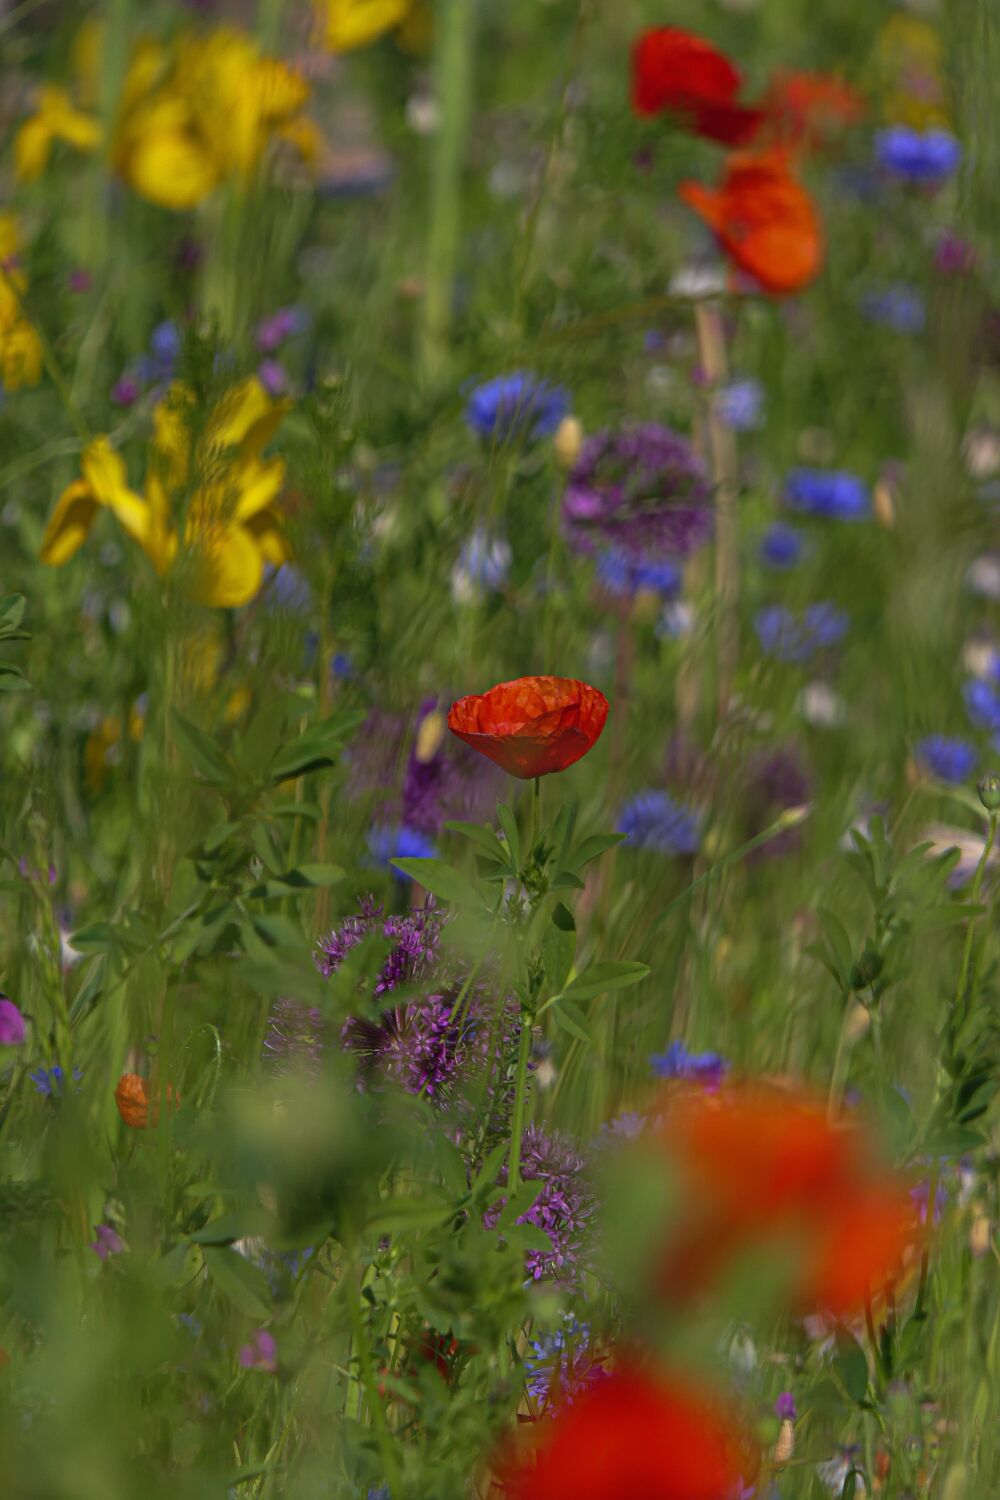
165,348
775,781
924,157
948,759
564,1209
107,1242
796,639
898,307
274,377
399,842
288,590
954,256
514,405
125,391
920,1195
982,703
653,820
415,937
834,494
12,1027
261,1353
294,1037
628,1126
784,1407
281,325
80,280
740,404
705,1068
52,1082
560,1366
482,567
625,576
781,546
642,491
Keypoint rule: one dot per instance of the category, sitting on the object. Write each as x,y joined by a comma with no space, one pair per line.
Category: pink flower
261,1353
108,1242
11,1024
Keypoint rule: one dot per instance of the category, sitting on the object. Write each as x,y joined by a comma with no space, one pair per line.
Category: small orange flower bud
133,1101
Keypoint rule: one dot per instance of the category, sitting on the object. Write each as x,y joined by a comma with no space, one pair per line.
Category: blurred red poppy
764,220
532,726
636,1433
674,71
758,1164
805,109
133,1101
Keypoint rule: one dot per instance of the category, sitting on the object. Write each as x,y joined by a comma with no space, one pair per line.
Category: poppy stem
520,1101
536,813
722,458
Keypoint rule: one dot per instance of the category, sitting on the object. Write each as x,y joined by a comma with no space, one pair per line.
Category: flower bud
989,791
430,734
858,1022
884,504
867,969
568,441
785,1446
980,1232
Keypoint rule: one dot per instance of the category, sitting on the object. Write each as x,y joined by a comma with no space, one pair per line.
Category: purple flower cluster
796,639
641,491
705,1068
564,1209
775,780
295,1037
415,942
560,1366
653,820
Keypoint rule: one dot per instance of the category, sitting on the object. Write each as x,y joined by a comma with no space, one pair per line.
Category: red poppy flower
806,109
764,220
674,71
132,1099
758,1165
532,726
636,1433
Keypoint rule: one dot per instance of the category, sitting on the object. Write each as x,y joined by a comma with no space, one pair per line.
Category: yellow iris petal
265,529
353,23
104,473
69,524
163,157
227,567
256,485
20,355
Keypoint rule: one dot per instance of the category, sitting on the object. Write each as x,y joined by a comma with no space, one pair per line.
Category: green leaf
99,937
851,1364
948,916
590,848
305,878
508,823
559,947
222,1231
319,746
487,840
565,880
522,1202
598,979
441,879
562,830
527,1237
572,1019
398,1215
311,811
90,991
840,943
11,613
202,751
244,1285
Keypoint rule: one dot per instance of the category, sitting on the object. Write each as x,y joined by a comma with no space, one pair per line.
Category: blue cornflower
781,546
165,345
399,842
513,404
898,307
948,759
920,156
288,590
706,1068
832,493
624,576
789,638
52,1081
740,404
982,703
653,820
483,565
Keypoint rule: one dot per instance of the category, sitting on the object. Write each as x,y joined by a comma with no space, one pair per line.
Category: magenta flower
261,1353
12,1027
108,1242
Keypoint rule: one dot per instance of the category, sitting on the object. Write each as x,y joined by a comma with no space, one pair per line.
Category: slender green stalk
960,1005
48,357
723,460
520,1103
387,1447
453,70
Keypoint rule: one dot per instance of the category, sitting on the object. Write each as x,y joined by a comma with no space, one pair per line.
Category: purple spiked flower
564,1209
642,491
294,1037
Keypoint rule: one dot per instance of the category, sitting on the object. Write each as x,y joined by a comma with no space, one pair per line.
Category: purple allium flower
560,1366
125,391
948,759
107,1242
775,780
653,820
261,1353
415,938
642,491
954,256
295,1037
12,1028
740,404
982,703
482,567
705,1068
785,1408
625,576
52,1082
791,638
781,546
898,307
399,842
833,494
927,157
511,405
274,377
564,1209
281,325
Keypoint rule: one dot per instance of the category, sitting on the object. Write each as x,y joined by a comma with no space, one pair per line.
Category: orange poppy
764,220
674,71
133,1101
806,109
532,726
636,1432
759,1164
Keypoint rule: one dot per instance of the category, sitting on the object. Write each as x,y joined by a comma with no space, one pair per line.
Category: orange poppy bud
133,1101
532,726
764,220
806,109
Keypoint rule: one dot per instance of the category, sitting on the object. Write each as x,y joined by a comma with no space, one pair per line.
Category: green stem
960,1005
839,1073
453,68
387,1448
536,813
520,1104
48,357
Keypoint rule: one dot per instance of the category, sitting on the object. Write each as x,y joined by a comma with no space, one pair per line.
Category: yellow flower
56,119
208,508
20,355
909,59
344,24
